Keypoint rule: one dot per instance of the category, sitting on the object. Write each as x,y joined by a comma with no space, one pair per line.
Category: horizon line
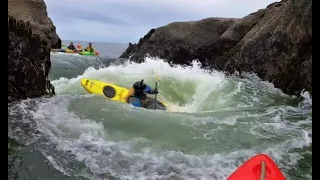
95,41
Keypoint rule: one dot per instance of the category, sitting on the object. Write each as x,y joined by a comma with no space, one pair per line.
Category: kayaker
71,47
89,48
137,94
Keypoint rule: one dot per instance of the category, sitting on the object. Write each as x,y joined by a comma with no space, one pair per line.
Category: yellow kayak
63,50
115,93
71,51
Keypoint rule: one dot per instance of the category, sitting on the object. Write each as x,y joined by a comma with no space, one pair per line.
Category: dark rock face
31,36
275,43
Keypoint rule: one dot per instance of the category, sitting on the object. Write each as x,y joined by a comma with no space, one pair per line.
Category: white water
217,123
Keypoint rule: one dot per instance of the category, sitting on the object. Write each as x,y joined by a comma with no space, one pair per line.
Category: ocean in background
105,49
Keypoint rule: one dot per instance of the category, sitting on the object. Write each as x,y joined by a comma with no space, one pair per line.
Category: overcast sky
128,20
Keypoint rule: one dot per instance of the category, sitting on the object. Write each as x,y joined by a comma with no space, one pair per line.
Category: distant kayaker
89,48
137,94
71,47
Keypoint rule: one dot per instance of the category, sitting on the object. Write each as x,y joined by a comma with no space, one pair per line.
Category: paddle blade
157,76
79,47
96,53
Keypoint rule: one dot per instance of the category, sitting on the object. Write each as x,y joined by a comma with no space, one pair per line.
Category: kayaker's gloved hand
155,91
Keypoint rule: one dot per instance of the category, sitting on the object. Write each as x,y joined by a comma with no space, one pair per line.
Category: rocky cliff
31,36
275,43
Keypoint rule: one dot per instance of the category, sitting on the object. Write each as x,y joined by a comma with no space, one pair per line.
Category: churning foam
201,90
86,140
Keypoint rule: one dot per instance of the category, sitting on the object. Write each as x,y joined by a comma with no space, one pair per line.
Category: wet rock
31,36
275,43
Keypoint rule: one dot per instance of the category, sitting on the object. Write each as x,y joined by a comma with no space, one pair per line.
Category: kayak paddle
79,47
156,87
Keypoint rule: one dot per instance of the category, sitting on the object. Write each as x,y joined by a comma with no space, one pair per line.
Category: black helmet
139,86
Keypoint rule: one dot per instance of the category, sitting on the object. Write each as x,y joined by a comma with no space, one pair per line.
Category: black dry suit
71,47
137,94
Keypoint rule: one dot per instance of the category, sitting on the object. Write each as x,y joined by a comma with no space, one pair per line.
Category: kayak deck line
263,171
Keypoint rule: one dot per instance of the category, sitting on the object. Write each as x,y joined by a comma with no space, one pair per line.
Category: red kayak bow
259,167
